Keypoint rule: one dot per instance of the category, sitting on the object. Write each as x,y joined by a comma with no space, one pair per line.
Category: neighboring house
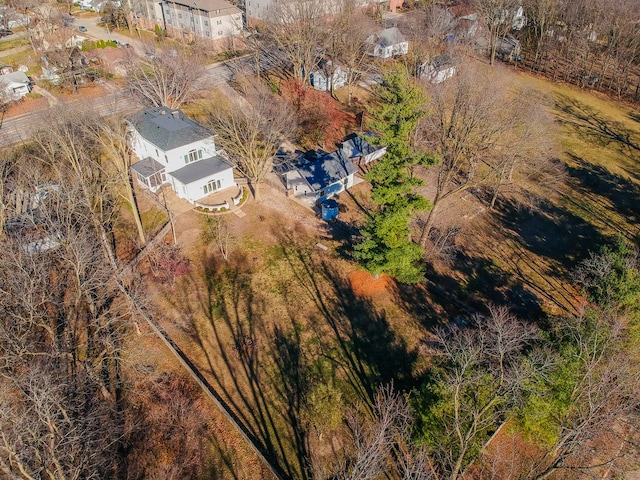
518,20
324,80
359,151
317,175
214,20
438,69
10,18
15,85
113,60
508,49
466,23
388,43
75,40
177,150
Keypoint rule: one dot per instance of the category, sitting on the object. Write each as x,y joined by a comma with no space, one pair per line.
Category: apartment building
214,20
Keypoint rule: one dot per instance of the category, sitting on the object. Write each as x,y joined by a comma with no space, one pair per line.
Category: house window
157,154
206,23
192,156
212,186
166,159
207,33
220,32
219,22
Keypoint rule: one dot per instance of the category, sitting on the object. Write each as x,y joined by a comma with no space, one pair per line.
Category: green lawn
13,43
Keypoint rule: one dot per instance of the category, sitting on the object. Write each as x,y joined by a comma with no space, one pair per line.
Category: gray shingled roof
211,6
386,37
167,129
326,170
200,169
356,146
147,167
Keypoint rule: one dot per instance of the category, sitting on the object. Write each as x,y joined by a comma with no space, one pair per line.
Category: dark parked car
4,32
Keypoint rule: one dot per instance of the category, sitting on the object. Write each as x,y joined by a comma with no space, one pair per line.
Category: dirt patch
366,285
26,105
87,91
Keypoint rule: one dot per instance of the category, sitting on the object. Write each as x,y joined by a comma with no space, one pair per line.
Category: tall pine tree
387,245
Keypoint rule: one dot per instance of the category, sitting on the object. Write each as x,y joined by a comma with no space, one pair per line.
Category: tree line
75,401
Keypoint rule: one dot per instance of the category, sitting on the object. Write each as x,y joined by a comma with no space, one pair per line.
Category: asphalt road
20,128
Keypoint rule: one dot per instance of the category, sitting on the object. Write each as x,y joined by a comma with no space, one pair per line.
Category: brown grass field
283,316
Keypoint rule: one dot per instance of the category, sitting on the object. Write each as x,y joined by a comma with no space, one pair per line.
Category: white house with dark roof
174,149
317,175
438,69
387,43
14,85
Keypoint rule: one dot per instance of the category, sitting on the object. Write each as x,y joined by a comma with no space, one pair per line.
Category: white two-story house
174,149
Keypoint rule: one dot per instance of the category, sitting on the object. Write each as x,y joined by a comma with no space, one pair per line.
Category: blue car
82,28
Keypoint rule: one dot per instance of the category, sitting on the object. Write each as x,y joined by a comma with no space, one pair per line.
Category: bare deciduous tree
48,433
218,232
250,131
164,78
481,132
66,146
498,20
479,374
112,135
295,29
379,443
345,44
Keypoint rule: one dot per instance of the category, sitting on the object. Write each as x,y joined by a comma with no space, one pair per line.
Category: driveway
98,32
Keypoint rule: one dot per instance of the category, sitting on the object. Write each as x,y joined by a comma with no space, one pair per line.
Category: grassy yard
14,43
284,317
600,140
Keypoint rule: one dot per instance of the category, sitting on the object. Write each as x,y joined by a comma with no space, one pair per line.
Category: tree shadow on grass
590,124
362,344
548,231
264,370
599,185
229,337
485,282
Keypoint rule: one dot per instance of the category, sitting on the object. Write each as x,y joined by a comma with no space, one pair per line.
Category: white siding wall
176,156
172,159
195,190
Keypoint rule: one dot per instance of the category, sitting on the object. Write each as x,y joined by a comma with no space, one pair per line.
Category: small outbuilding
438,69
327,77
361,152
508,49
